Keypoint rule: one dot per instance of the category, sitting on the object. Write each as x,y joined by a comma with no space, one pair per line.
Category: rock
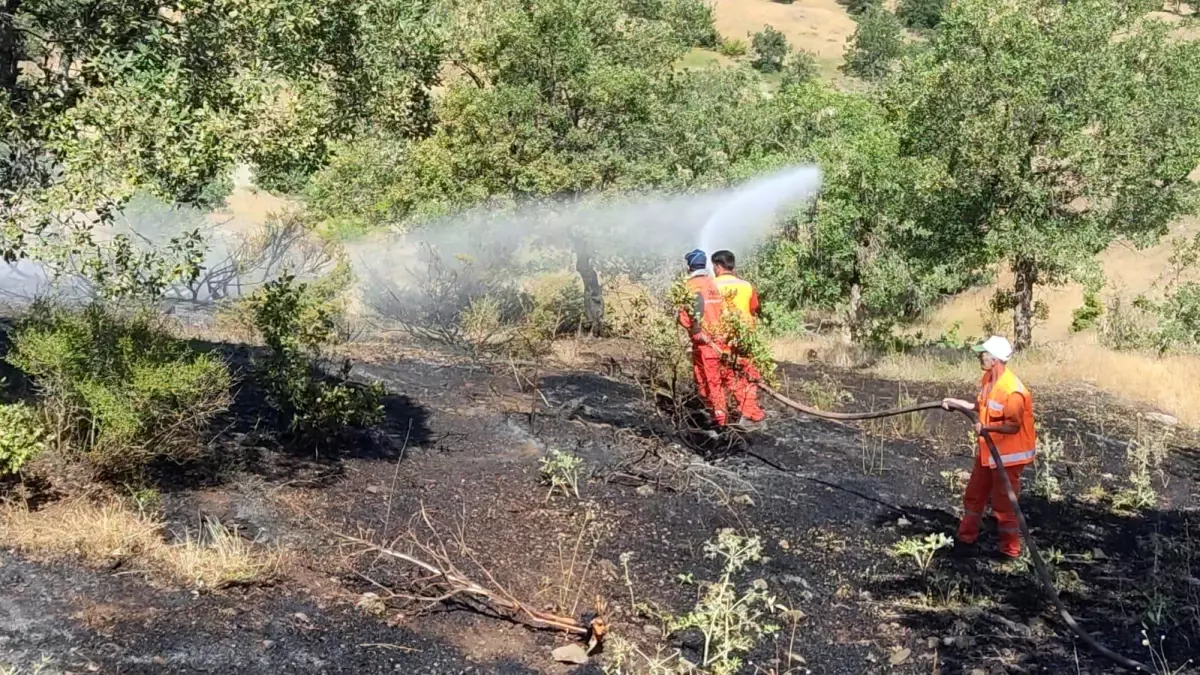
373,489
744,500
572,653
1098,554
268,644
645,490
784,544
871,658
1163,418
652,630
903,522
608,569
371,603
932,642
900,656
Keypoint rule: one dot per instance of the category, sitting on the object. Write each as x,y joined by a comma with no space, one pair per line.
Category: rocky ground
461,445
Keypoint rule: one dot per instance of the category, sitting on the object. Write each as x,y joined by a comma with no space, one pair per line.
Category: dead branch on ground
439,580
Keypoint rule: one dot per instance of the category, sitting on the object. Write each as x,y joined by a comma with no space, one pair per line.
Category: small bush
692,22
21,436
857,7
1087,315
118,388
921,550
1125,325
875,44
802,67
298,322
770,50
921,14
731,621
733,47
1050,453
561,472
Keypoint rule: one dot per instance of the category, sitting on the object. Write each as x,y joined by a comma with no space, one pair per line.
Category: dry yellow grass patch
107,531
1169,383
818,26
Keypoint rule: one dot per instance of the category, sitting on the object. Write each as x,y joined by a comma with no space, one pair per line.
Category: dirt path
812,491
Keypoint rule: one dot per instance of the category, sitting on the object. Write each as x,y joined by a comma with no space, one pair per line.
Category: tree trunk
1025,271
593,293
11,45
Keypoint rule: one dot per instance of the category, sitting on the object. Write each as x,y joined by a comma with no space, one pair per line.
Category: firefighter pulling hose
1003,408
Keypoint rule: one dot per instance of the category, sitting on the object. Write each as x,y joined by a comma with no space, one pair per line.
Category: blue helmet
696,260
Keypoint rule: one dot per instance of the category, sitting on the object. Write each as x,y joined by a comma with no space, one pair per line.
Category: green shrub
116,387
692,22
875,44
21,436
857,7
1087,315
733,47
802,67
920,14
299,322
770,50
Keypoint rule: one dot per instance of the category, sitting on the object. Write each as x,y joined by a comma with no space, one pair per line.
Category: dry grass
818,26
103,532
1170,383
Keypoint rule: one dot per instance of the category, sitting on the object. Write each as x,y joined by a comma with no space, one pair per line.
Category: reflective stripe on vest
737,292
1015,449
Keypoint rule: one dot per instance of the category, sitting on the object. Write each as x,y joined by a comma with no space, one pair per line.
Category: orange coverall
1016,410
702,321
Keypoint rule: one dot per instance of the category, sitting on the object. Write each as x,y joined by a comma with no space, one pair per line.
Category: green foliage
1144,457
921,14
733,47
22,436
747,342
800,68
560,471
732,621
1063,126
1178,318
116,388
298,322
771,49
921,550
1089,314
113,96
857,7
692,22
875,45
1050,453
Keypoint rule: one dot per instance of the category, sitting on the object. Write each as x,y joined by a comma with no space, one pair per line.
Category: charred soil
457,465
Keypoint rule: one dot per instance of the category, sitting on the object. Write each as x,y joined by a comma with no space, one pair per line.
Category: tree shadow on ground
1117,574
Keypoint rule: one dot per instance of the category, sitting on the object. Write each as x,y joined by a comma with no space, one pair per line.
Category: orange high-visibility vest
713,305
737,293
1015,449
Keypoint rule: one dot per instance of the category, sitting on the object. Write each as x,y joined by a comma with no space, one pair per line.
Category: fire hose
1038,563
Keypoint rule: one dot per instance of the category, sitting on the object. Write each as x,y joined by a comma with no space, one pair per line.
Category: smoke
638,234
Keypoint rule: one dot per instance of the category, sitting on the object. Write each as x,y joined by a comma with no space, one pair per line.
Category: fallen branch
441,582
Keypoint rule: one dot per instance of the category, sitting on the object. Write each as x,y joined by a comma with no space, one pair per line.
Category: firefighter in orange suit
1005,410
740,296
702,319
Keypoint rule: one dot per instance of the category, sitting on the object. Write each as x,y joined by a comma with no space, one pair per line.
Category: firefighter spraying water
1002,414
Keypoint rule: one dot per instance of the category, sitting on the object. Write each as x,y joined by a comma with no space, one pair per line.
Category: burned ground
462,446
